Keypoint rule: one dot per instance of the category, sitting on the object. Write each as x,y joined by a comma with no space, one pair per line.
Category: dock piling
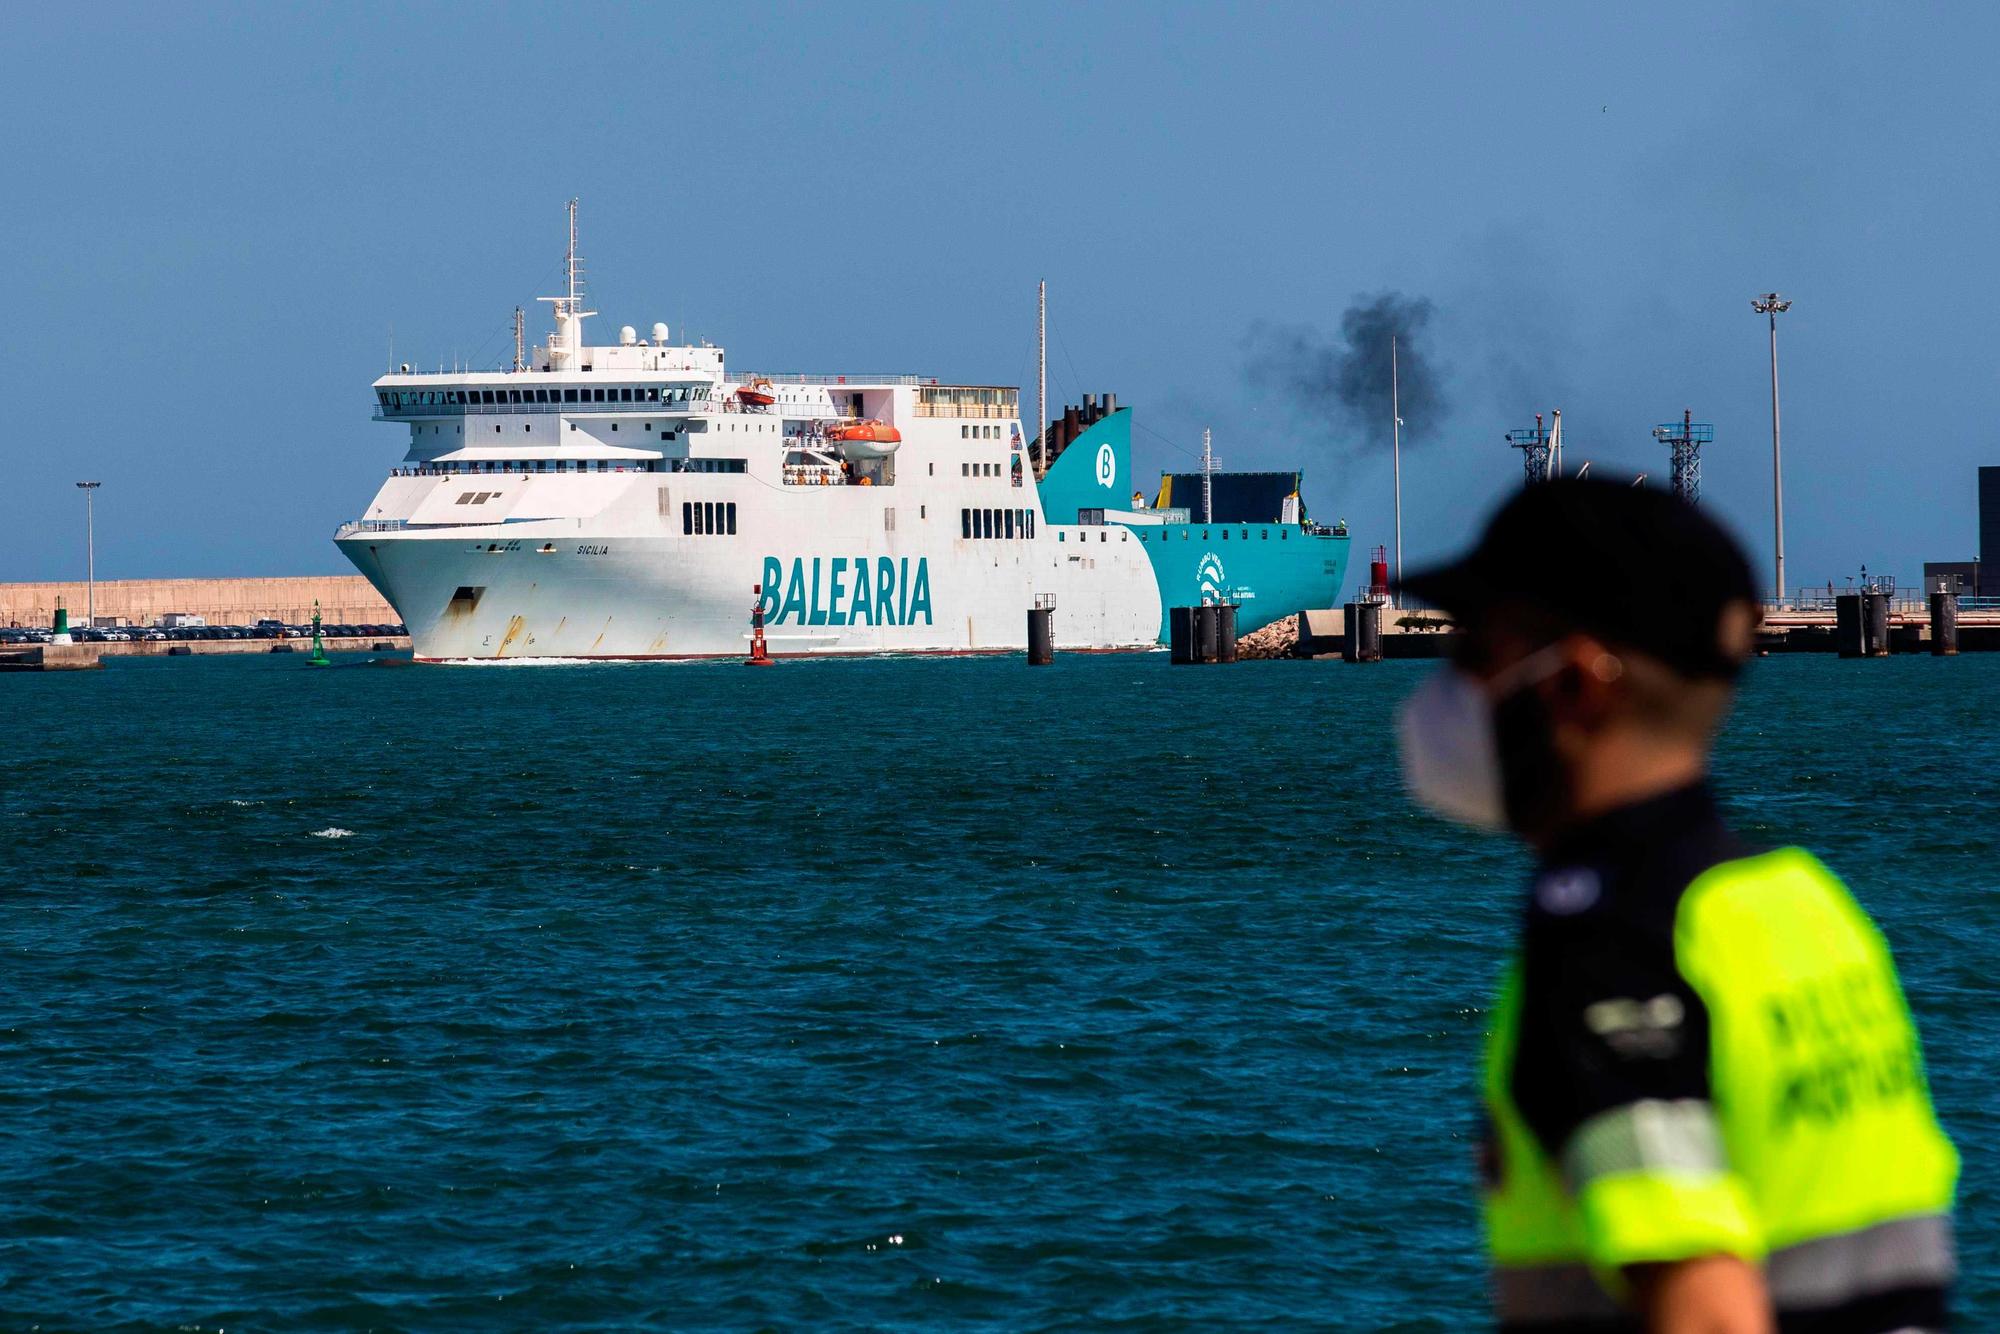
1850,638
1875,623
1362,640
1944,624
1041,636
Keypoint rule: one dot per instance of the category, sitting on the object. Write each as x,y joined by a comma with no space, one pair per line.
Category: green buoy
319,658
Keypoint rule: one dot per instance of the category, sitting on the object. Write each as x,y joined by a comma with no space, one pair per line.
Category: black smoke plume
1344,381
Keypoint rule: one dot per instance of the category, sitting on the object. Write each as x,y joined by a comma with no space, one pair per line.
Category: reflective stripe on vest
1829,1271
1814,1275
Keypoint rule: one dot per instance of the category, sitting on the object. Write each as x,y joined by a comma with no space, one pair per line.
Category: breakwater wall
343,599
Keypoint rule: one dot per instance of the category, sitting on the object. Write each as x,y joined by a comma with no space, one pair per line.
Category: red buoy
759,655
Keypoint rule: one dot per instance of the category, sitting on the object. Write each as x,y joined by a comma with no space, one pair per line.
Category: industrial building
1979,577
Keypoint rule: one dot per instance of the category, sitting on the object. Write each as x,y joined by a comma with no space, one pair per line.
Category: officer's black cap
1632,565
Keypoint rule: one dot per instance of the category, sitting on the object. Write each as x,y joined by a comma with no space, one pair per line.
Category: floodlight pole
89,490
1772,305
1396,450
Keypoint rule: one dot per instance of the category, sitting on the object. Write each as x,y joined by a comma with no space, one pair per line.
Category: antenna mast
520,362
566,344
1208,462
1042,376
575,282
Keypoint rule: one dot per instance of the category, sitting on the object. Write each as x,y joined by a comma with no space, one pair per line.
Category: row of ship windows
571,465
996,523
979,433
708,518
1284,534
983,470
470,398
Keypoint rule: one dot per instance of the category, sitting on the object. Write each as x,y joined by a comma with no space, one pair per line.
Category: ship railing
415,412
814,474
370,526
684,408
852,381
969,411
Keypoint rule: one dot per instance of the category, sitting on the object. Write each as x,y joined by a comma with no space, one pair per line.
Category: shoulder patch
1568,890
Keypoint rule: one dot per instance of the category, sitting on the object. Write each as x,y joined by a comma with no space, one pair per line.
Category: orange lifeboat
758,393
869,432
864,439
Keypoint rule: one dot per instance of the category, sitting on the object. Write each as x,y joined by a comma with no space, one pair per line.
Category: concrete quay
344,599
1322,633
86,657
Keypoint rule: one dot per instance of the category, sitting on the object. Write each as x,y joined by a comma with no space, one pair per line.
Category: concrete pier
84,657
345,599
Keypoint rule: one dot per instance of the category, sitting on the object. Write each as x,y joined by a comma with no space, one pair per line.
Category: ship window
731,507
965,433
624,395
1265,533
1225,534
1246,534
687,517
889,520
1010,523
965,523
1184,534
496,428
527,427
569,395
1284,535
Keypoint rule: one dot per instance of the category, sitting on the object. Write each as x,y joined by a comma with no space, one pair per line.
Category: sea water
840,995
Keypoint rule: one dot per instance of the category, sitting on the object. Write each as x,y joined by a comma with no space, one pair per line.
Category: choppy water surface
838,996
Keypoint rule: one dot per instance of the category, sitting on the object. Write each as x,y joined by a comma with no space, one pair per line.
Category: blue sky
217,217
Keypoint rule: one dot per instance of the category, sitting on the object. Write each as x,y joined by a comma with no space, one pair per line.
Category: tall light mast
1773,305
89,490
520,361
1396,449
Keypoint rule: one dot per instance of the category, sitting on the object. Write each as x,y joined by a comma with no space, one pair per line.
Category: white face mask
1451,756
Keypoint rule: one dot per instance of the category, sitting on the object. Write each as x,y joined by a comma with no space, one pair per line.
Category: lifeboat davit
758,393
865,439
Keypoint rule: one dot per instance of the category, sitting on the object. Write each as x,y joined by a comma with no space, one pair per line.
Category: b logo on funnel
1107,465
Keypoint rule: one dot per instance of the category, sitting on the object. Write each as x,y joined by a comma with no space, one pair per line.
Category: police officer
1706,1101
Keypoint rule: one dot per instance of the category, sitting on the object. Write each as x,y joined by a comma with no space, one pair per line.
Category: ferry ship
639,500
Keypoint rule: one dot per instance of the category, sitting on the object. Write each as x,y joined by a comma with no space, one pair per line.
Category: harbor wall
343,598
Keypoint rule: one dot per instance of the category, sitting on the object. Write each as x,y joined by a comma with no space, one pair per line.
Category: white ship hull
616,590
